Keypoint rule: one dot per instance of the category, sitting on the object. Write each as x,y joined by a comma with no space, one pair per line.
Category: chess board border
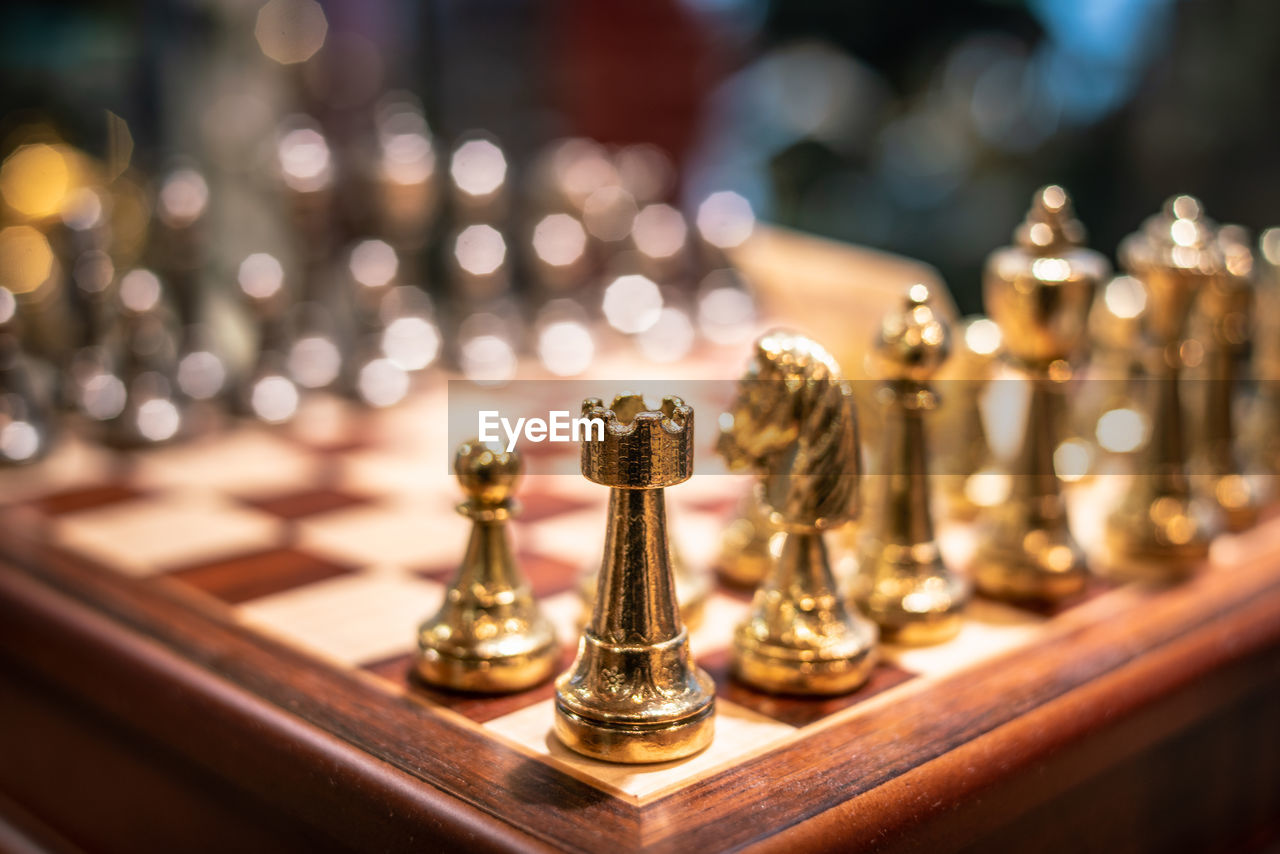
1082,675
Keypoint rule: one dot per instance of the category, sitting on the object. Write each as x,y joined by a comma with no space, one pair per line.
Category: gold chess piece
693,588
1221,321
1159,531
793,423
1115,333
489,635
1264,419
744,550
1039,291
965,454
902,582
634,694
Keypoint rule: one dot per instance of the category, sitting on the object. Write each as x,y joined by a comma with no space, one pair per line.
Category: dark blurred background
921,128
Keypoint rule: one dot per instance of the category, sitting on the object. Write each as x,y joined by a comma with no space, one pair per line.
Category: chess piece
1039,292
745,553
1221,323
634,694
25,426
693,588
181,207
269,391
1264,421
1112,376
489,635
1159,531
793,424
965,455
135,395
902,582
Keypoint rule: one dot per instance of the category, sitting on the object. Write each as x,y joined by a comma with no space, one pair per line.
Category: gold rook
634,694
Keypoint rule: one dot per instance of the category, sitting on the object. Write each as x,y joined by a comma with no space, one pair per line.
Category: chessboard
283,570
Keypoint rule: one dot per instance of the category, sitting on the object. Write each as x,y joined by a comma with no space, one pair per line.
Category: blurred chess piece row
390,254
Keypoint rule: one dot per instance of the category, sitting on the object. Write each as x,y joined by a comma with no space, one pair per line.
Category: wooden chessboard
249,599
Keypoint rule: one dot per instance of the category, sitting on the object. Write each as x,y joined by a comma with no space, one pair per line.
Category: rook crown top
642,448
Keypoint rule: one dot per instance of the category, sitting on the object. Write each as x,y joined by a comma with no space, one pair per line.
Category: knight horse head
793,423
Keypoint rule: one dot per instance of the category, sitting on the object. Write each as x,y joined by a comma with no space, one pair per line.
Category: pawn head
913,341
488,476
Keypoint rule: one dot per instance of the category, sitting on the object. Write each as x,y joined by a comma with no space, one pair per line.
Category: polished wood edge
23,833
833,766
1082,733
155,691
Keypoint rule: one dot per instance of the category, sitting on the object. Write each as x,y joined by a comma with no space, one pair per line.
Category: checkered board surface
337,535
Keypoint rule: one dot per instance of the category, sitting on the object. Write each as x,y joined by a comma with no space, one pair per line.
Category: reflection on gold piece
1025,549
902,582
634,694
489,635
793,424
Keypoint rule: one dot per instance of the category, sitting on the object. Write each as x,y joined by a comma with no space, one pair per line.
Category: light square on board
411,535
739,733
73,463
354,619
576,538
248,462
156,534
989,629
412,475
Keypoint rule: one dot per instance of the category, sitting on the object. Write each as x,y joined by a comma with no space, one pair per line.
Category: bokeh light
305,161
260,275
480,249
609,213
559,239
35,179
669,339
291,31
413,343
725,219
632,303
183,197
373,263
314,361
382,383
565,347
478,167
274,398
659,231
26,259
140,290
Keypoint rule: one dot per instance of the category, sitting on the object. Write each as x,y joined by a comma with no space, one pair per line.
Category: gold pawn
634,694
1159,531
489,635
744,550
902,582
1222,324
793,423
1039,291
